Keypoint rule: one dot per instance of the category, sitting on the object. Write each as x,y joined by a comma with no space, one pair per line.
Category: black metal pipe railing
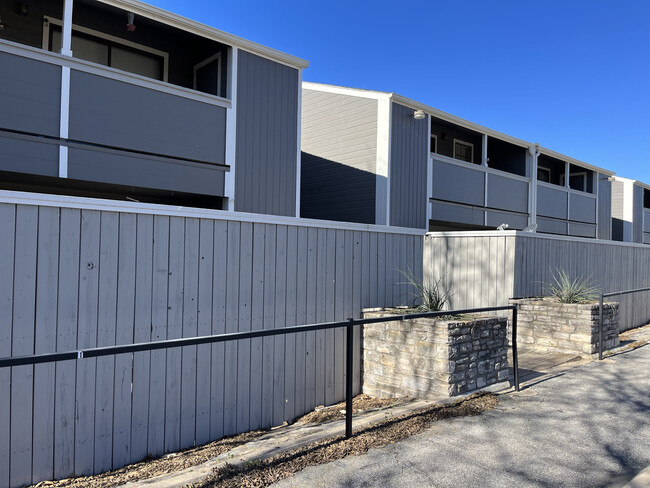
600,313
235,336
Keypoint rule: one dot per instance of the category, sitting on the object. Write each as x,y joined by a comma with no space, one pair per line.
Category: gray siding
23,156
551,202
30,95
488,270
507,194
86,278
604,207
462,214
122,115
408,169
339,157
446,178
618,220
582,208
144,172
267,136
638,214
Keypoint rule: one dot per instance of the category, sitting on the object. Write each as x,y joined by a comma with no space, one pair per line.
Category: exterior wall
621,228
433,359
637,219
487,269
604,207
570,212
339,157
408,168
267,136
78,275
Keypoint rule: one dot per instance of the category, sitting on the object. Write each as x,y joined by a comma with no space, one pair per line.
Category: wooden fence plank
87,337
339,315
7,246
290,320
66,340
269,323
330,303
45,341
142,331
158,366
279,322
204,327
244,347
301,318
232,324
257,322
106,324
122,402
190,329
321,314
310,337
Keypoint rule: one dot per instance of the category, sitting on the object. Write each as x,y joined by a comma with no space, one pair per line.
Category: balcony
136,113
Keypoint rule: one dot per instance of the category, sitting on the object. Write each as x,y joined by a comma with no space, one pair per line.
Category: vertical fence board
157,371
321,314
106,324
204,327
301,318
190,329
66,340
122,401
45,341
330,301
22,377
339,314
290,320
87,337
232,324
7,246
357,270
310,337
219,283
269,323
244,324
257,321
278,323
142,332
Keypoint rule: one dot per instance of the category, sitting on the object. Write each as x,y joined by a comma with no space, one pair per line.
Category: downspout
534,152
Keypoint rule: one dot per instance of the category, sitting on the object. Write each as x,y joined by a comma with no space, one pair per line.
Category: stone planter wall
565,327
429,358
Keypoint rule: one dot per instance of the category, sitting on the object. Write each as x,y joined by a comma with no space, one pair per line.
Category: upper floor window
107,50
434,144
463,150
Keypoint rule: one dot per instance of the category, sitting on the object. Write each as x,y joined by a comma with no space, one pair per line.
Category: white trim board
476,167
532,235
188,25
111,73
66,201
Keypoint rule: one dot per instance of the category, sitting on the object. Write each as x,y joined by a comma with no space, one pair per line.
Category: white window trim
467,144
434,137
206,62
543,170
584,179
47,21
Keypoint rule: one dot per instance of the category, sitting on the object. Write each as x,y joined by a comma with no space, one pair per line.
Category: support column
64,119
532,206
231,131
299,156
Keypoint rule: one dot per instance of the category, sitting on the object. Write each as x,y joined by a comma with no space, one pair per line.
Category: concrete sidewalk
585,427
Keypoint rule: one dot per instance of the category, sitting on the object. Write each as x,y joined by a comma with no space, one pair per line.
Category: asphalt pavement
585,427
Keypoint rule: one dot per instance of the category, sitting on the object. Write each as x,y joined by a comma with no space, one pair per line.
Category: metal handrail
96,352
600,314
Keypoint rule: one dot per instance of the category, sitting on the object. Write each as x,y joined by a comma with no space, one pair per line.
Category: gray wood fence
77,278
487,268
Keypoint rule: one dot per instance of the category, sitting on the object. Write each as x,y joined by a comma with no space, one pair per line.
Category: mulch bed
199,455
273,469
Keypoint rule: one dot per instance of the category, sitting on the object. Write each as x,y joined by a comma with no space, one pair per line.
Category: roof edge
204,30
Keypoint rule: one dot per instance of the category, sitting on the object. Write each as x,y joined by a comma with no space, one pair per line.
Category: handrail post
348,378
600,328
515,358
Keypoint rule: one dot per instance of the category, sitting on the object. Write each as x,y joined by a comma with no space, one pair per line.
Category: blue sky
572,75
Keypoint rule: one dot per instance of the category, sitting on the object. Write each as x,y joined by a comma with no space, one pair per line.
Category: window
463,151
434,143
106,50
207,75
544,174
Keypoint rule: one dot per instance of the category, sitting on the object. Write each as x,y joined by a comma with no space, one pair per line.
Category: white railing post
231,132
64,119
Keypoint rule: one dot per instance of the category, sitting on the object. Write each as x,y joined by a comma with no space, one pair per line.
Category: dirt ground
198,455
273,469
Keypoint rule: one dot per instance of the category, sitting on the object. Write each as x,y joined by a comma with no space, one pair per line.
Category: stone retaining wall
429,358
570,328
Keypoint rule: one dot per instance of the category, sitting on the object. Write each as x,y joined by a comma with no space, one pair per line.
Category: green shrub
429,295
566,290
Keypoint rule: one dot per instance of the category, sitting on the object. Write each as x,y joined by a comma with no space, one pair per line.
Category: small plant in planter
564,289
431,294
